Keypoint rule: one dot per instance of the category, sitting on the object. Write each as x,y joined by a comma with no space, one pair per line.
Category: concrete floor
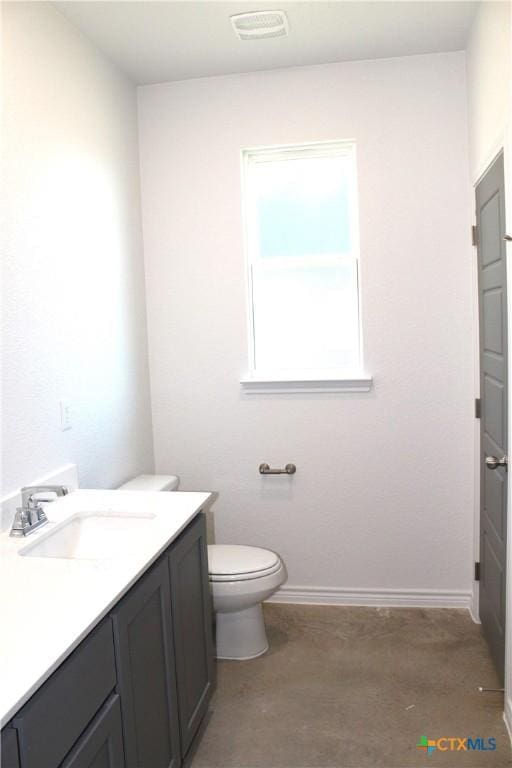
354,687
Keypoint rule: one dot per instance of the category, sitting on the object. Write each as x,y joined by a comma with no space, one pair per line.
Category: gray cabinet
57,714
135,692
192,627
146,674
101,746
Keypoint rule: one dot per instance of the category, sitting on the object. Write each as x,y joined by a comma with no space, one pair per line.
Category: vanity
120,655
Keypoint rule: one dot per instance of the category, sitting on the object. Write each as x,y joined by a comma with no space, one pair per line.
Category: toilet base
240,635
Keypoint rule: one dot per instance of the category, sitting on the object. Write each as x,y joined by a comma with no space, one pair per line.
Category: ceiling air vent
259,25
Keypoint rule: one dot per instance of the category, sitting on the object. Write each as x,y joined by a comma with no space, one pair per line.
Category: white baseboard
507,716
474,606
391,598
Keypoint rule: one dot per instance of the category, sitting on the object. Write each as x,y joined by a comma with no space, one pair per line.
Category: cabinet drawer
60,710
101,746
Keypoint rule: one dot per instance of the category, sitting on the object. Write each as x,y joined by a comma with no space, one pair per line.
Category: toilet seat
240,563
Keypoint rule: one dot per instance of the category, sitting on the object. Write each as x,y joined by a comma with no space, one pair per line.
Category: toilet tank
151,483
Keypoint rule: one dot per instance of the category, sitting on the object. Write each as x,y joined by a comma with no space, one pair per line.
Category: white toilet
240,577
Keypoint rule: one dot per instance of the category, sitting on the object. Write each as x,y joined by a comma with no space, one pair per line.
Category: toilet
151,483
241,578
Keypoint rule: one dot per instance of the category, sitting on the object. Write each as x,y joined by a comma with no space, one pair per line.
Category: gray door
490,214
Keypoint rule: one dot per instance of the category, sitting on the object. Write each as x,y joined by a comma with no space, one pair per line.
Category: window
302,248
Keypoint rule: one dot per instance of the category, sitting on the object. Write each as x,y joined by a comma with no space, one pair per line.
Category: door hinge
478,408
474,234
477,571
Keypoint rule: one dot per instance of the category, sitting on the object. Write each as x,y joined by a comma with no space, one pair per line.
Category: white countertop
48,605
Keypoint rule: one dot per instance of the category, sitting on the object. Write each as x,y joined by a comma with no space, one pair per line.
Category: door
192,622
101,746
145,672
490,214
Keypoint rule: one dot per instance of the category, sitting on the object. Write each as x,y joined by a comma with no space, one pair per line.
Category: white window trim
313,382
289,382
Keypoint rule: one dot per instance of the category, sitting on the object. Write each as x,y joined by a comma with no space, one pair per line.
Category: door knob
492,462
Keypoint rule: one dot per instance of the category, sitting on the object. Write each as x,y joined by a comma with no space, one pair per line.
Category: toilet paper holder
290,469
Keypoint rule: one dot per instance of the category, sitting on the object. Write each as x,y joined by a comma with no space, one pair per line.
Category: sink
92,536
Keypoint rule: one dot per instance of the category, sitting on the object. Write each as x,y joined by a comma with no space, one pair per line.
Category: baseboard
507,716
391,598
474,609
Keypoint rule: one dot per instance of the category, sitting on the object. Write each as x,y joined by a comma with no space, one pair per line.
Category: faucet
31,515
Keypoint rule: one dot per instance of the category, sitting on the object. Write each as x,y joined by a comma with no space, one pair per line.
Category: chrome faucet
31,515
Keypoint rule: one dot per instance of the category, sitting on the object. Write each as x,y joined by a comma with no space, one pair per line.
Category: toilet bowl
241,578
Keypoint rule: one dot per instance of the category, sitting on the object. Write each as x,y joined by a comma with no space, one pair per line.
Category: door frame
507,155
503,144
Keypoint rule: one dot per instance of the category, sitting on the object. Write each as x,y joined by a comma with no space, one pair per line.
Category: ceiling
154,42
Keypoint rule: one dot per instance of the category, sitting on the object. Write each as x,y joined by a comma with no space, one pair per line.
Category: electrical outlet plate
65,415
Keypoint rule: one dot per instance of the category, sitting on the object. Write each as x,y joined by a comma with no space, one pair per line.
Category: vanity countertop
48,605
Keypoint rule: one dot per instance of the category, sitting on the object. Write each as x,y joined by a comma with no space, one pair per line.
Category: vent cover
259,25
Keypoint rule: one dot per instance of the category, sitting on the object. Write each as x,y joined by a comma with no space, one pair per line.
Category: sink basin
92,536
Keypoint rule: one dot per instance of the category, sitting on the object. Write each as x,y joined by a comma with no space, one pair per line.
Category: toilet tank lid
151,483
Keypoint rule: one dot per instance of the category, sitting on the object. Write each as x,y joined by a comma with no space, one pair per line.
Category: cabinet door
9,748
101,745
192,625
145,672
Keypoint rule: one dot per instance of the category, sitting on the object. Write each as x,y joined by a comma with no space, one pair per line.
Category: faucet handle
21,524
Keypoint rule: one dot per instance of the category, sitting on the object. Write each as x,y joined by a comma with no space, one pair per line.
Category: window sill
269,385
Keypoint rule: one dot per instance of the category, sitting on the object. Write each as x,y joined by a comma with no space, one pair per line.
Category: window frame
288,380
